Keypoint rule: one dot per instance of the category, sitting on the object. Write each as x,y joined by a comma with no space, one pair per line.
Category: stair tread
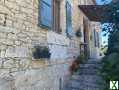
86,78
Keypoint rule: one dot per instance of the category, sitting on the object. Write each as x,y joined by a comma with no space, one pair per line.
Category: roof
99,13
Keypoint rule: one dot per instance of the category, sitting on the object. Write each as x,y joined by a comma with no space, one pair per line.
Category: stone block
3,47
5,84
2,54
54,38
18,51
58,52
9,64
17,42
12,36
6,41
8,30
3,35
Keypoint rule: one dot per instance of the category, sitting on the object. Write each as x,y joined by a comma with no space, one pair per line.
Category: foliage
110,63
110,69
79,33
113,42
81,58
41,52
104,49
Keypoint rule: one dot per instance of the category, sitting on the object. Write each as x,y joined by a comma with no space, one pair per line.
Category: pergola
100,13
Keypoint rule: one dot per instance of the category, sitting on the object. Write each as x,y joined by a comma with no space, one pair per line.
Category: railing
84,50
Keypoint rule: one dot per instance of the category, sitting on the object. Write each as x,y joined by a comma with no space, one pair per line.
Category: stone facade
19,33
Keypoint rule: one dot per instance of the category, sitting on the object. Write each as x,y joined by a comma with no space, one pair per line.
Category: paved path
87,77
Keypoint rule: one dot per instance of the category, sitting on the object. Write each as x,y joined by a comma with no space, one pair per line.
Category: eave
98,13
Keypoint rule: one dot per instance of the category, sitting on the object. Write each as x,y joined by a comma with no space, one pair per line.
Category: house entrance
86,38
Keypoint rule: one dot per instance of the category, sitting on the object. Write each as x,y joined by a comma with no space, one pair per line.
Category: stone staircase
87,77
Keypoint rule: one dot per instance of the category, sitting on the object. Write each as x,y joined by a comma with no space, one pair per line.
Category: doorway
86,38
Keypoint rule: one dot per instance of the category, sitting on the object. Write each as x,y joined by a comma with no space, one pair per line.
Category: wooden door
86,38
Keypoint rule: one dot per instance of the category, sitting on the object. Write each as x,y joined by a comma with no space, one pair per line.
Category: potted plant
76,64
79,33
41,52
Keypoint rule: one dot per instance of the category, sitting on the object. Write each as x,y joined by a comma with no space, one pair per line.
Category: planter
41,53
79,33
74,66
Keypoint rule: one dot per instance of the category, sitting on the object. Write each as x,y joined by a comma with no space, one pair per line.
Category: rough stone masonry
19,33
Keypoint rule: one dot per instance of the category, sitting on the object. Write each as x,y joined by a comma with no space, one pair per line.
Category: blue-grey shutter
68,20
45,13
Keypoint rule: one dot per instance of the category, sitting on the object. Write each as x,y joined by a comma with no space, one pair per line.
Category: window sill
44,27
38,63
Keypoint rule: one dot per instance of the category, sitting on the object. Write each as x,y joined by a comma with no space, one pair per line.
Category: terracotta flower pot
75,66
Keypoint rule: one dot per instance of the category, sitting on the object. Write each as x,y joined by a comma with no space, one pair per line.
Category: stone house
25,24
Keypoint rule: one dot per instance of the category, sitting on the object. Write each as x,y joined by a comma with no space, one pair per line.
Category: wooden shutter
56,16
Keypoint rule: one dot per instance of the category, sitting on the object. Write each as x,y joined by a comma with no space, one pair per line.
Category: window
95,39
68,20
45,13
98,40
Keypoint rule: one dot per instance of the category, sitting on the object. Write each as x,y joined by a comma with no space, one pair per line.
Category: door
86,38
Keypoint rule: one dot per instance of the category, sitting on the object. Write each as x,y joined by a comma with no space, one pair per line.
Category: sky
104,39
100,2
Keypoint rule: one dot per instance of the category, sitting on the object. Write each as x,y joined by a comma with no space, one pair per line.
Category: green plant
91,37
41,52
79,33
81,58
110,69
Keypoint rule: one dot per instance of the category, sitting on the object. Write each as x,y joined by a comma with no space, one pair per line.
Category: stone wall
19,33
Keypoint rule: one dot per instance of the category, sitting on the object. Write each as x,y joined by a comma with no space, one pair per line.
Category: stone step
87,78
93,61
89,69
88,65
88,72
83,87
84,81
94,78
